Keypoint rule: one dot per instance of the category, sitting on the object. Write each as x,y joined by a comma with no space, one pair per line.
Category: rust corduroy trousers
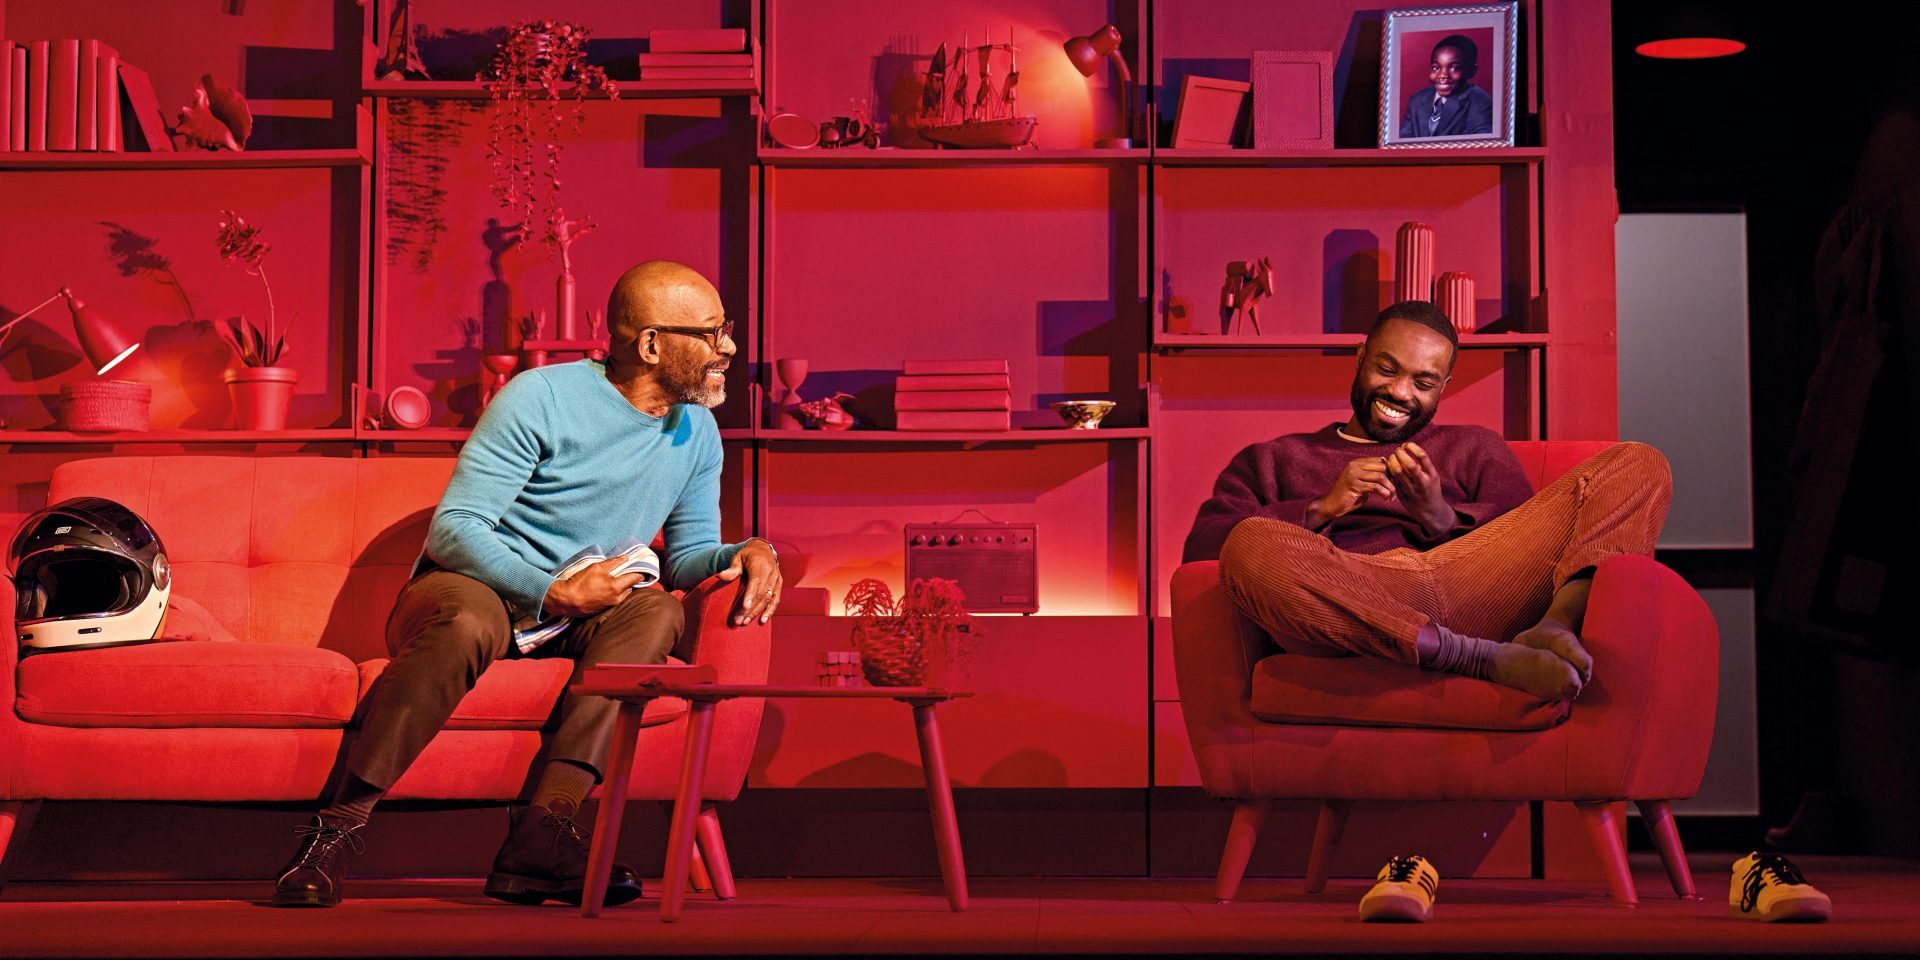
1317,599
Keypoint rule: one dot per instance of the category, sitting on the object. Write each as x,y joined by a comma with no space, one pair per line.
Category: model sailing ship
957,110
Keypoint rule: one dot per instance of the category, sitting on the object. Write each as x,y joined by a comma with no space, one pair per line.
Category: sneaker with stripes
1403,892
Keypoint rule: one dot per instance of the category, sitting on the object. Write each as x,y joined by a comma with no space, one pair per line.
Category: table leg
686,809
613,803
946,827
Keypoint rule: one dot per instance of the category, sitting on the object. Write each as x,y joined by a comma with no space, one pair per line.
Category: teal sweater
560,461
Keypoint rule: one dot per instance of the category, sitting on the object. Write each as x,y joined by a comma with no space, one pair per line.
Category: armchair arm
1642,728
740,655
9,720
1214,650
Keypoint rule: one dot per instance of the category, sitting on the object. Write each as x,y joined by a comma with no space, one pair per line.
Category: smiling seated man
566,457
1389,536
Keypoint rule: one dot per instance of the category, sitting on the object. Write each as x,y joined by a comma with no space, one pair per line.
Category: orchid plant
240,241
524,81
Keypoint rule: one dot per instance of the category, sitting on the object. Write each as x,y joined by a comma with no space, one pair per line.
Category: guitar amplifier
992,562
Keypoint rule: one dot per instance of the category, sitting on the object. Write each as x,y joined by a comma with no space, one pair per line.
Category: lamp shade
104,343
1087,52
1696,30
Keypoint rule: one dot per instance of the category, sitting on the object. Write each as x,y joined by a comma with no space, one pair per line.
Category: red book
958,381
63,95
921,367
696,73
696,60
17,105
142,111
37,53
6,94
107,102
954,400
724,40
88,127
954,420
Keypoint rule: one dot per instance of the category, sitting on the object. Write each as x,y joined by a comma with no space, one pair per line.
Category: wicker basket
104,405
890,657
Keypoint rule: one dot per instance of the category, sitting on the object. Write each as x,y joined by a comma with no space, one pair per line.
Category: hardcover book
696,73
141,112
37,53
696,60
63,95
924,367
957,381
953,400
954,420
724,40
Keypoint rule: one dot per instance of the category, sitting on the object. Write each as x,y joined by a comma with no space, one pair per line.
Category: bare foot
1539,672
1554,637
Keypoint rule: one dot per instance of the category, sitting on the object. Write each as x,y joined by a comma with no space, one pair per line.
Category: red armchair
1267,725
301,559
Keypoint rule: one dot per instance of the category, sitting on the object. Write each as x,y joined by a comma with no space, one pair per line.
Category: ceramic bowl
1083,414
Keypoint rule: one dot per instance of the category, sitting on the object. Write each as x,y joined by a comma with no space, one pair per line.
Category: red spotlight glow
1690,48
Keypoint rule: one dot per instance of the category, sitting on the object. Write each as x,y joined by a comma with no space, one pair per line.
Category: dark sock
1455,652
353,800
563,786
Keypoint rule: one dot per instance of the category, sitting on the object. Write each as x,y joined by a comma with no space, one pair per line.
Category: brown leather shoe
545,858
313,878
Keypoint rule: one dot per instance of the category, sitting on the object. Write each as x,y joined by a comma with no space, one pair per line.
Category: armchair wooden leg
1248,818
1666,838
1603,827
697,878
1326,836
706,830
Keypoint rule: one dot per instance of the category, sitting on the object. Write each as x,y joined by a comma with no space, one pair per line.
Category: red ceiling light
1690,48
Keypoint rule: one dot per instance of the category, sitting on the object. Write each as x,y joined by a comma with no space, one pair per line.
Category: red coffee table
634,685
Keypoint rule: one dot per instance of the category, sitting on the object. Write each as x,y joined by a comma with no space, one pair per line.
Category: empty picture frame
1292,100
1209,115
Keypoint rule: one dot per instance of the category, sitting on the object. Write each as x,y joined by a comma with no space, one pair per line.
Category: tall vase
1413,262
1453,294
261,396
563,302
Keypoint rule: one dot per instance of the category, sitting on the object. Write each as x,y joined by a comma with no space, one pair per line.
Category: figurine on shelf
533,329
217,118
498,367
401,61
565,232
827,413
1247,282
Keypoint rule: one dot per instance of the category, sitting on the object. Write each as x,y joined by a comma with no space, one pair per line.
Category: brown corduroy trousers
447,628
1496,581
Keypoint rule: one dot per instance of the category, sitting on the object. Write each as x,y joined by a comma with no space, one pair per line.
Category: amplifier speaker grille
992,562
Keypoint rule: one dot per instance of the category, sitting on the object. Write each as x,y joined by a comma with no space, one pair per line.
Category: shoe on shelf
1402,892
545,858
315,875
1768,887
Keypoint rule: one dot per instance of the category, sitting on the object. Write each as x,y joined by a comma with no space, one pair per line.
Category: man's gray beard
697,391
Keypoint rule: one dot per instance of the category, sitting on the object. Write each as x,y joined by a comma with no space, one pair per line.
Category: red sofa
1267,725
301,557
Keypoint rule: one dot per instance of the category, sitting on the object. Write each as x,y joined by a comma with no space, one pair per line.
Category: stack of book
953,395
717,56
71,94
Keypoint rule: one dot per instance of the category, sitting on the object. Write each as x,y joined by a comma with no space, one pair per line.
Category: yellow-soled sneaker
1402,892
1768,887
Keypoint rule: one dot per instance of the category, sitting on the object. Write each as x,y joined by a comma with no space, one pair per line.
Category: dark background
1780,131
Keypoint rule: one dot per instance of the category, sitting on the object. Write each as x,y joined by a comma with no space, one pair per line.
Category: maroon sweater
1479,474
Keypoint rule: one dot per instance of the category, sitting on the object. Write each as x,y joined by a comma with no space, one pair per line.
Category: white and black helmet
87,572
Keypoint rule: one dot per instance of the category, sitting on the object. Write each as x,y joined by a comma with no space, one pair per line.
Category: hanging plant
525,81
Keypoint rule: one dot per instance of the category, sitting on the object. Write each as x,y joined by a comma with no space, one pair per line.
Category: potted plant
923,639
260,388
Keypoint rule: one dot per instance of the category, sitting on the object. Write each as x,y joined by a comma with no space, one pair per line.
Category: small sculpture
565,232
827,413
217,118
1247,282
498,367
401,61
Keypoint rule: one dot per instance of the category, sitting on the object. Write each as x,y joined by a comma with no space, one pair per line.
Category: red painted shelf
328,434
886,437
1330,341
905,157
182,160
629,89
1364,157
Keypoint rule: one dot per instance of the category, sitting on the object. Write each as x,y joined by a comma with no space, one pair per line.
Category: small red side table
634,685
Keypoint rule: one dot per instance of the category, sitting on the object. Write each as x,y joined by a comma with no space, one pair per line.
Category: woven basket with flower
923,639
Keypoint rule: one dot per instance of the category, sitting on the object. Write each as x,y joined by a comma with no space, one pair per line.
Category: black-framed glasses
712,335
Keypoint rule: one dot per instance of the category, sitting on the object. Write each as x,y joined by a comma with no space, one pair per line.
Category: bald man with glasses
566,456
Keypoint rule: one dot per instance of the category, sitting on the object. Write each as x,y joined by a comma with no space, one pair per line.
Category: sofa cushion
520,695
1354,691
189,684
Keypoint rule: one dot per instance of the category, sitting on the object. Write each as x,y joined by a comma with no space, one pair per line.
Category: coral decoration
524,81
827,413
240,240
926,637
217,118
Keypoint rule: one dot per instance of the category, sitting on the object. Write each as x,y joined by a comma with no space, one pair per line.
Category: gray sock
1459,653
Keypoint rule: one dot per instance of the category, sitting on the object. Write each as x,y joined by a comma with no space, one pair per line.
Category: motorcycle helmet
87,572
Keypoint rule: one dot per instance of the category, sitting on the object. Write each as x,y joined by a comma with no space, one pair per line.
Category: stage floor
1874,912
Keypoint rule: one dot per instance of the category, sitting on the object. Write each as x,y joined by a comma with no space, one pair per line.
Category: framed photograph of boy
1449,76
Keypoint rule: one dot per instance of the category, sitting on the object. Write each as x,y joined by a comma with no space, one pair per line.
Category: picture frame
1292,99
1478,46
1209,117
